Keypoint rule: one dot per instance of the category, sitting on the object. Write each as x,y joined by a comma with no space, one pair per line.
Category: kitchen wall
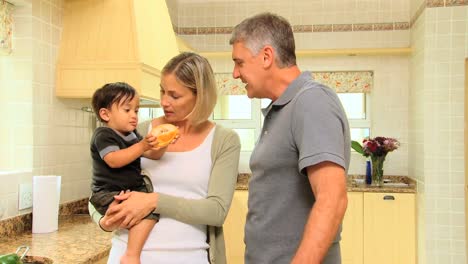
416,127
336,23
389,96
41,134
323,25
440,46
418,98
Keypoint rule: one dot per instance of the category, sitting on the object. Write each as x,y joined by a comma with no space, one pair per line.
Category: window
355,106
235,110
242,115
353,89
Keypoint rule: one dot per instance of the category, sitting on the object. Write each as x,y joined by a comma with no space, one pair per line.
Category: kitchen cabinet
234,228
389,228
379,228
352,234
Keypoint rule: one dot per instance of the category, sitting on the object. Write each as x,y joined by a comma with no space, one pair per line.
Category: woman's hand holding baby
110,226
131,207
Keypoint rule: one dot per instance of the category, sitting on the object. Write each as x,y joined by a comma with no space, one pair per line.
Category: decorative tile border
303,28
445,3
383,26
456,2
322,28
23,223
435,3
223,30
342,27
402,25
363,27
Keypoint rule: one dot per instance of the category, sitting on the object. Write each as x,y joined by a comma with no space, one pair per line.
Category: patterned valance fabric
6,23
340,81
346,81
228,85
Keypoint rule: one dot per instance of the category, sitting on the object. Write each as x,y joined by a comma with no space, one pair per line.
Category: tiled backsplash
46,135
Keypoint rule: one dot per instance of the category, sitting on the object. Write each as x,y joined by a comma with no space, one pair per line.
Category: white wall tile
444,46
44,151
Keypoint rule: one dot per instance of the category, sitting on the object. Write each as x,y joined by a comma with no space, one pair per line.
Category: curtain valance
346,81
340,81
6,25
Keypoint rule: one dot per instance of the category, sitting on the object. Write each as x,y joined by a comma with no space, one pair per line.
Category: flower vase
377,170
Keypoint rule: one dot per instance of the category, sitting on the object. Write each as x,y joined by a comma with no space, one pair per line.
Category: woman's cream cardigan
213,210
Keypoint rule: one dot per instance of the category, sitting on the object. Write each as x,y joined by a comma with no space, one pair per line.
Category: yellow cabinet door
234,228
389,228
352,232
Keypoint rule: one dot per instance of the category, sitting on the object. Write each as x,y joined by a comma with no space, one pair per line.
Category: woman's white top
181,174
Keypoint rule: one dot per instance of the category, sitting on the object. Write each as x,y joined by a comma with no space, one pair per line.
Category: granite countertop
78,240
396,184
81,241
392,184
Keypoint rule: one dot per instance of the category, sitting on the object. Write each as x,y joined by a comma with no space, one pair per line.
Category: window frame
366,122
256,122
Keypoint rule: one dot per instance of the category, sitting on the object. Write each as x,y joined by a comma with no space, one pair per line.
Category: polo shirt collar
292,89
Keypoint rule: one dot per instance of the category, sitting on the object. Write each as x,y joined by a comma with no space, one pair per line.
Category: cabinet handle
389,197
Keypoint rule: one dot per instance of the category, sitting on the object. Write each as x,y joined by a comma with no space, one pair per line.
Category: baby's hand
149,142
172,142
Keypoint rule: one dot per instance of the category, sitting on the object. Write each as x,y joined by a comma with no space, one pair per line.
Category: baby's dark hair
109,94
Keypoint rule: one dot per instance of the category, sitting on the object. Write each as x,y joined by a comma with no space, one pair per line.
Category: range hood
114,40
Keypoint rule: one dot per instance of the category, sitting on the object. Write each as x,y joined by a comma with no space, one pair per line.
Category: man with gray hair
297,192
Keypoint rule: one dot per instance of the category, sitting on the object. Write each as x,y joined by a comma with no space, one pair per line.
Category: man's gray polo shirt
306,125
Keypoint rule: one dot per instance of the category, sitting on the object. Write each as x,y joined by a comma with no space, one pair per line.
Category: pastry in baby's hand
165,134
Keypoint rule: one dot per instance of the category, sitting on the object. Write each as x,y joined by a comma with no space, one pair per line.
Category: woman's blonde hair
194,72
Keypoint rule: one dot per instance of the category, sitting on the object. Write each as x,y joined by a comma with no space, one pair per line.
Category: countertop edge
352,186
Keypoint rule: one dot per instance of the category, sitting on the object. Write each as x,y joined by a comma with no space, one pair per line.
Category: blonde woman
193,182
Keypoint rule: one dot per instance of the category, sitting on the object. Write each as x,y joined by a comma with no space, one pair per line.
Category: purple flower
379,146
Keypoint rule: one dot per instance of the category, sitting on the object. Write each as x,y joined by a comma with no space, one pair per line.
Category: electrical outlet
25,196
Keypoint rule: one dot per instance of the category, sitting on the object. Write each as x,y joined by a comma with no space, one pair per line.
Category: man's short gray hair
267,29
